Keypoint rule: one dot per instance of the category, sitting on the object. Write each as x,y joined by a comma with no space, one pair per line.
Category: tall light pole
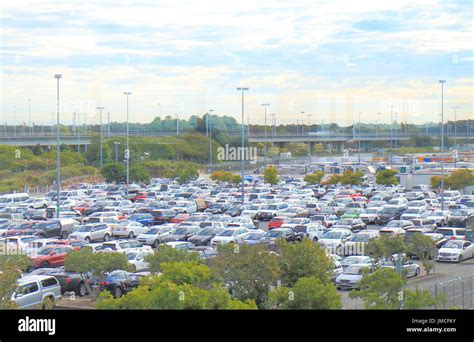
455,125
159,104
395,129
210,138
442,82
242,89
14,120
377,125
265,151
177,124
100,130
391,135
359,147
127,150
309,141
58,149
29,117
108,125
273,129
302,123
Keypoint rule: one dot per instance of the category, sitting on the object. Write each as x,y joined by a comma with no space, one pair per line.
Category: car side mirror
18,295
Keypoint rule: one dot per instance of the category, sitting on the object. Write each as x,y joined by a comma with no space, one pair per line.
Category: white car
333,239
92,232
315,231
182,245
351,276
356,245
439,217
370,214
229,235
137,260
412,213
456,250
128,229
359,260
153,236
123,246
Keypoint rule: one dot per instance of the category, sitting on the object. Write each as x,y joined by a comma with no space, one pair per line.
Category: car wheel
63,235
48,303
417,272
315,240
459,258
82,290
156,244
106,237
131,235
88,239
118,292
44,264
441,223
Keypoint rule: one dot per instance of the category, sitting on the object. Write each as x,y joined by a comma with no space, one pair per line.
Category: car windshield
437,214
394,224
205,232
344,222
86,228
352,261
460,213
354,270
371,211
273,234
253,237
412,211
360,238
453,244
332,235
45,251
179,231
227,233
131,256
153,231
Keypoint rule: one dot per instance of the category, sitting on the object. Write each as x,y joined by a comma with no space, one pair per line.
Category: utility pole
442,82
391,135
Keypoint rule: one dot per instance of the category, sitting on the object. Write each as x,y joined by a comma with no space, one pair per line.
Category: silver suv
37,292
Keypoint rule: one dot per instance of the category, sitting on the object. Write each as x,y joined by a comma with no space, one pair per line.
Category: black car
204,236
218,208
388,214
287,234
69,281
459,218
234,211
180,234
119,283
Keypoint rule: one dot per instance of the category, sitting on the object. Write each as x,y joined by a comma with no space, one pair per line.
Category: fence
458,292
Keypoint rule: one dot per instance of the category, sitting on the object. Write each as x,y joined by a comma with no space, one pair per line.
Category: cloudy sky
332,59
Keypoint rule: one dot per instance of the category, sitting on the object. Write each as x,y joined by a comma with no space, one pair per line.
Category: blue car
145,219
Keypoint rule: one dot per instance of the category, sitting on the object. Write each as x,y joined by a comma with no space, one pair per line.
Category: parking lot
202,214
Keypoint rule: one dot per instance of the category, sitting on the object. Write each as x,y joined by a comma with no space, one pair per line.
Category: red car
139,195
277,222
81,207
75,244
50,256
179,218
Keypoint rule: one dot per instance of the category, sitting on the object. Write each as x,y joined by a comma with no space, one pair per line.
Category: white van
37,292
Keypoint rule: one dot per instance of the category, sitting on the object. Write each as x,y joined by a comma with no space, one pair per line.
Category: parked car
37,292
50,256
119,282
351,277
456,251
92,232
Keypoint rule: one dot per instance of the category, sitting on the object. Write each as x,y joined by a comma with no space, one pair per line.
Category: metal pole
58,149
127,151
210,139
309,140
442,143
29,116
242,171
265,105
391,135
359,139
14,120
108,125
101,135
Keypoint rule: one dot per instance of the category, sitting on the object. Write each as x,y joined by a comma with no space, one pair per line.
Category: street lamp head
58,76
242,88
442,81
265,104
99,108
127,93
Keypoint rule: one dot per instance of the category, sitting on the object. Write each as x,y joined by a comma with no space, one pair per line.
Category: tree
385,247
248,271
11,266
271,175
424,248
224,176
182,285
87,263
167,254
138,173
458,180
304,259
113,172
386,177
93,153
314,178
385,289
351,178
308,293
187,174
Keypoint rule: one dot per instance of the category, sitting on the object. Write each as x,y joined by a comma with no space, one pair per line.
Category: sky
331,59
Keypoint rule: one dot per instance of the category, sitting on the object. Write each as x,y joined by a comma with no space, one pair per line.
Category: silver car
92,232
37,292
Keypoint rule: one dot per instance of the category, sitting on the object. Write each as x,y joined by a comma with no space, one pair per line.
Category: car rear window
49,282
